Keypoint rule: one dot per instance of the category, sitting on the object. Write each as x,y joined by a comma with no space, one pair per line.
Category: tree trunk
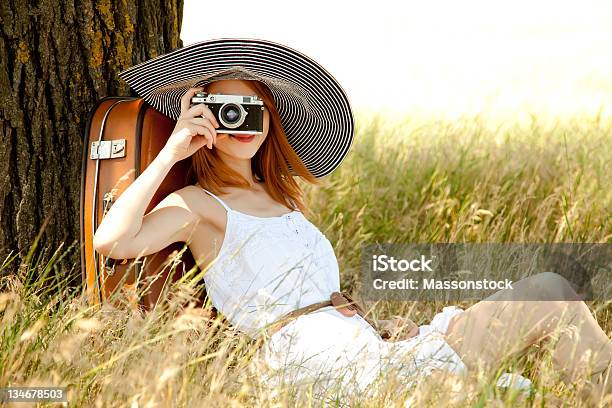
56,60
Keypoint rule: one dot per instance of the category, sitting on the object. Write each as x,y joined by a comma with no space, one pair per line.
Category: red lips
244,138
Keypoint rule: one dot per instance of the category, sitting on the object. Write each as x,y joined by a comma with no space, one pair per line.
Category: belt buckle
342,304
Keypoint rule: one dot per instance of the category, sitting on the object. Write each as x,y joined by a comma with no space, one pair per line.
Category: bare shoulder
197,201
182,197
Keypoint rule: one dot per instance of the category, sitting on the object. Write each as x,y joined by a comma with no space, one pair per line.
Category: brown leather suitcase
122,136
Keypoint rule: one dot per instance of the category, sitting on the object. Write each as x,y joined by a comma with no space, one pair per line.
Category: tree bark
56,60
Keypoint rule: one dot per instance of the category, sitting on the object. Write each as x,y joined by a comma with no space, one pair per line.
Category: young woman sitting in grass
245,224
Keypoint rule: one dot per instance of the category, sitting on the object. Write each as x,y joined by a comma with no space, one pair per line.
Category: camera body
236,114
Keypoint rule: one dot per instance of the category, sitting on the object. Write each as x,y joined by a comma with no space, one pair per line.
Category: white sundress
269,266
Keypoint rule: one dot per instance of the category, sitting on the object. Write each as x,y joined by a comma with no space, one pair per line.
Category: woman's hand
398,328
195,128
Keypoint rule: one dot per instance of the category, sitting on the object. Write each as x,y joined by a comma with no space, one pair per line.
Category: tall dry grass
414,181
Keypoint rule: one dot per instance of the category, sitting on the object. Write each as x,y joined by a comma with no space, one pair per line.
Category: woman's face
226,143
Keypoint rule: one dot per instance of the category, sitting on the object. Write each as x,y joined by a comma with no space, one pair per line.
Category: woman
245,221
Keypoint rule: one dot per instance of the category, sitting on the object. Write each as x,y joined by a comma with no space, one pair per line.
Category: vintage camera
236,114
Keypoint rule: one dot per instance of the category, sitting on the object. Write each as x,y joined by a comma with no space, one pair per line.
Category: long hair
269,164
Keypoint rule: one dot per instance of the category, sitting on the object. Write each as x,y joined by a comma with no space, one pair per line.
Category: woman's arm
125,232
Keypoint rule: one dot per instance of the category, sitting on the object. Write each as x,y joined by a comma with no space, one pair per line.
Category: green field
414,181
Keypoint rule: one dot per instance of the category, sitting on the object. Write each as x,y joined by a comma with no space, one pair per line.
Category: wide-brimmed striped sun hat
315,111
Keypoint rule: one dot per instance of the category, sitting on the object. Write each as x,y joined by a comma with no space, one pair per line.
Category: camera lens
230,113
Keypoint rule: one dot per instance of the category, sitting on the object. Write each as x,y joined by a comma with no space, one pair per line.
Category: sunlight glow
440,57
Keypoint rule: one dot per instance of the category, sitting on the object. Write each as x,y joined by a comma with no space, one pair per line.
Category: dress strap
219,200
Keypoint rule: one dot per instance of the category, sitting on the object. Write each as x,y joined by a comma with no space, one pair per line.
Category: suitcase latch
108,149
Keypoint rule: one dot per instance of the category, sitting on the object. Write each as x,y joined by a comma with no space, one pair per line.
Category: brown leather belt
340,300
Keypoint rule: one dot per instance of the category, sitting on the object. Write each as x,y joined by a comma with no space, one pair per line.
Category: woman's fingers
205,122
414,330
186,98
408,327
201,131
201,109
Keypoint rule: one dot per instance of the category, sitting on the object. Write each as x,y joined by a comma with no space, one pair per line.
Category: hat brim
315,111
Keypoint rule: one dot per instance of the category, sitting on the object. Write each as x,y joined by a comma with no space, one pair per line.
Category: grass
410,181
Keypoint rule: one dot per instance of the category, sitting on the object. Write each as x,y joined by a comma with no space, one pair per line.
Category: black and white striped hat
315,111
